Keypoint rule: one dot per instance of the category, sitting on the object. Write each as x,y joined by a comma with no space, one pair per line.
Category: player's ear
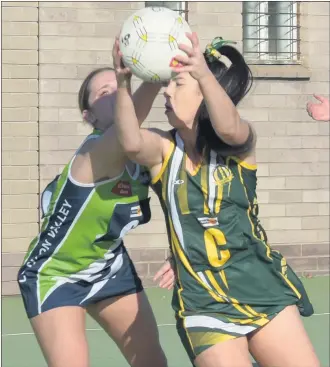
89,117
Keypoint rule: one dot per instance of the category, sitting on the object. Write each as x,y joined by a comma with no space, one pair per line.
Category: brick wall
293,152
74,38
20,135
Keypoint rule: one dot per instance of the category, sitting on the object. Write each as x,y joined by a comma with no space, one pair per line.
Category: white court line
160,325
19,334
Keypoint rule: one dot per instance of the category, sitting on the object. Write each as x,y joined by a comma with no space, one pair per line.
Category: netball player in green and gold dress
234,294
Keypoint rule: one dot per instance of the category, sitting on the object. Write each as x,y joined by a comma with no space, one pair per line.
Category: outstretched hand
319,111
194,61
120,69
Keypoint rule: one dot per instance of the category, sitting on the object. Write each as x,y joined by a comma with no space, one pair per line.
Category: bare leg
230,353
283,342
61,336
130,322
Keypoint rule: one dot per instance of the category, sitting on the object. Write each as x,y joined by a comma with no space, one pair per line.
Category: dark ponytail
236,81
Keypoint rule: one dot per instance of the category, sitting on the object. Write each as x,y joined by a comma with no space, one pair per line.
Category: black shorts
82,293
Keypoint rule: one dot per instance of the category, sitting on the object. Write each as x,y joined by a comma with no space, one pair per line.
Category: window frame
263,39
184,6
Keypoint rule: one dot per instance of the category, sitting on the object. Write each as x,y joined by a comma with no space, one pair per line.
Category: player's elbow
132,147
132,151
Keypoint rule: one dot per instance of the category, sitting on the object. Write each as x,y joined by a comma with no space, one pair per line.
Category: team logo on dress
123,188
222,175
136,211
208,222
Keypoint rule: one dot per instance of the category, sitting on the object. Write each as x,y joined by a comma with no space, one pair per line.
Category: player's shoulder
167,141
88,143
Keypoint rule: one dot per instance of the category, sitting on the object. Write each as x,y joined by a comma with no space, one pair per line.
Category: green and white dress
79,258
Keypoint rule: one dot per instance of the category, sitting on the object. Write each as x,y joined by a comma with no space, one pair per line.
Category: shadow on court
18,336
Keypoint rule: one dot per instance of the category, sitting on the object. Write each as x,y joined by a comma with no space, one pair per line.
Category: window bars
271,32
179,6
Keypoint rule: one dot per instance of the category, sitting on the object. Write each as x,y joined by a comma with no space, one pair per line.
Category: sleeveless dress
79,257
230,281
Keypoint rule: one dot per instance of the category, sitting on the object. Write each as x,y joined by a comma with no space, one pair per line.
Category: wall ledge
280,72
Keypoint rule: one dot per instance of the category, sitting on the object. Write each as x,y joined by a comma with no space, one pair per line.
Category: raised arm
143,99
104,156
224,116
144,146
221,109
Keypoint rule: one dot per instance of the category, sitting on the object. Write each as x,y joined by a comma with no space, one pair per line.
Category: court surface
20,349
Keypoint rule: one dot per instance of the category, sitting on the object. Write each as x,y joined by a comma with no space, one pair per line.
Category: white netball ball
149,42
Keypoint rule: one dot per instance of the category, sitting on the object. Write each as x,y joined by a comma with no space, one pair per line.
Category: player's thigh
61,335
229,353
130,322
283,342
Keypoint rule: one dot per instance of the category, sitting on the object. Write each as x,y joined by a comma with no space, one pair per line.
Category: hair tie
212,49
97,131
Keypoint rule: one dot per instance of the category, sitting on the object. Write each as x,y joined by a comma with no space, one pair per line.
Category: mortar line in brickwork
38,120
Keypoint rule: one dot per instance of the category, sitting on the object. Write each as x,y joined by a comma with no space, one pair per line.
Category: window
179,6
271,32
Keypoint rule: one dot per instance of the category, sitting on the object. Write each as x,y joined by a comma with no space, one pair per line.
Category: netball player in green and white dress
78,262
234,294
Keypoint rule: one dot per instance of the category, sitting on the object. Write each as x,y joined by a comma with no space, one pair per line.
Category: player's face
102,96
102,84
183,99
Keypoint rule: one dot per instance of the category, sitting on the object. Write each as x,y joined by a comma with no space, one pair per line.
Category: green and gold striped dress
230,281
